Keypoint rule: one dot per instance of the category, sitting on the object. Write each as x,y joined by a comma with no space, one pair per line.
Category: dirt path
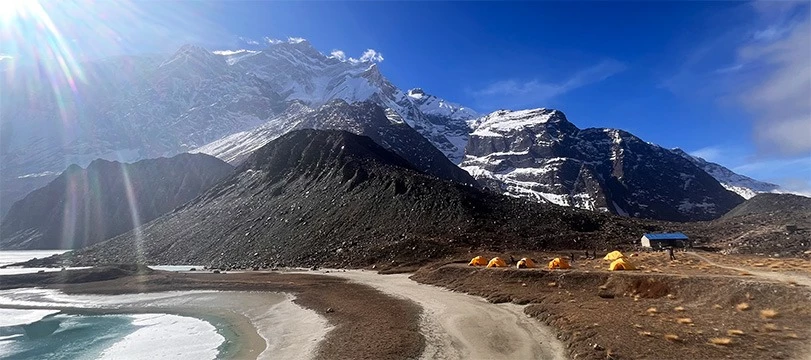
459,326
799,279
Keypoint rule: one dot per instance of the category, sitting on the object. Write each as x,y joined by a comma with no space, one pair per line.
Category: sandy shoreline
254,324
460,326
360,322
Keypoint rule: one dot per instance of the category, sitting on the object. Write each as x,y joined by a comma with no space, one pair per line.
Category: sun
10,9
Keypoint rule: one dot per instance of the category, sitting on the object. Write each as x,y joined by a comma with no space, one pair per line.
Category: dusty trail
799,279
459,326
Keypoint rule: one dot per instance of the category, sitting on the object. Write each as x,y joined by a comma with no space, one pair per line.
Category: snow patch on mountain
539,155
300,72
501,122
737,183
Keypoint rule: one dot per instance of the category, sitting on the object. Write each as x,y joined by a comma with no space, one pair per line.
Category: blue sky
729,81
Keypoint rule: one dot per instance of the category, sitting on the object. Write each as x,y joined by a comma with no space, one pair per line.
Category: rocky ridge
82,207
538,154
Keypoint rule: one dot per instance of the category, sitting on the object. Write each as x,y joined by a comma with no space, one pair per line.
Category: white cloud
770,33
338,54
777,169
729,69
272,41
295,40
5,57
769,75
233,52
800,186
522,92
249,41
370,55
779,95
791,173
710,153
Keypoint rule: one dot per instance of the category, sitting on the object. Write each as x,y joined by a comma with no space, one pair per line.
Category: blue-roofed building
665,240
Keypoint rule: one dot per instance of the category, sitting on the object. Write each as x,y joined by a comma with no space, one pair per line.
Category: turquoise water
99,335
95,333
63,336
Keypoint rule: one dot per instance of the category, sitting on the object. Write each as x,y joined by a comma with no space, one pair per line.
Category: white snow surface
300,72
165,336
291,332
504,121
14,317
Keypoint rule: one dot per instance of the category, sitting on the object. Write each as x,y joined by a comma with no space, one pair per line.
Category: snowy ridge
539,155
236,147
151,106
501,122
432,105
300,72
737,183
383,125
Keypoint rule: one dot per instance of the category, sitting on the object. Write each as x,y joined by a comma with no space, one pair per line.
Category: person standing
672,256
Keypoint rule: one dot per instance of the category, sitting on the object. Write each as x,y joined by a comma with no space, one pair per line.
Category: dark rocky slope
367,118
317,197
767,224
771,204
85,206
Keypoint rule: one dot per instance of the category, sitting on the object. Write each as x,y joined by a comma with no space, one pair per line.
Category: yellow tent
621,264
478,261
496,262
614,255
558,263
525,263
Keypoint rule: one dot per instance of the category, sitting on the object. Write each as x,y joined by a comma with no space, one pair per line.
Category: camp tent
496,262
525,263
558,263
614,255
478,261
621,264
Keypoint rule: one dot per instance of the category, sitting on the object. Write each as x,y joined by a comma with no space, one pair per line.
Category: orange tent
621,264
496,262
558,263
478,261
525,263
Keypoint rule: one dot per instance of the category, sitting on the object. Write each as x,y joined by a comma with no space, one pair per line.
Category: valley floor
702,305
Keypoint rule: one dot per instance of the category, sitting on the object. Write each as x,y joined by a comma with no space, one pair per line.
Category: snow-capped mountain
737,183
130,108
230,103
384,126
300,72
125,108
540,155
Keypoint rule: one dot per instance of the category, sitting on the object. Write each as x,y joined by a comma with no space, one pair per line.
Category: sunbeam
129,191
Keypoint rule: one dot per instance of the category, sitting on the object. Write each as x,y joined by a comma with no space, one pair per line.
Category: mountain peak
309,151
298,45
416,93
195,55
192,50
501,121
